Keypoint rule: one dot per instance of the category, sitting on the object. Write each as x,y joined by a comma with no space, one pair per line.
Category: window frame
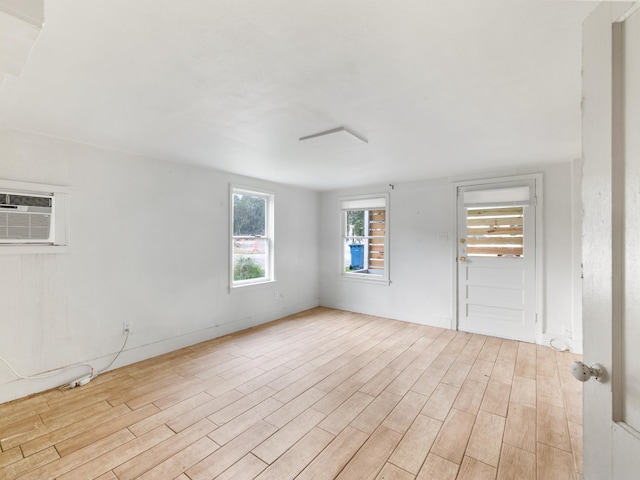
59,234
360,276
269,278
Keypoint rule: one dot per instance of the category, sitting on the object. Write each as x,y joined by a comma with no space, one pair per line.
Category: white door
611,240
497,259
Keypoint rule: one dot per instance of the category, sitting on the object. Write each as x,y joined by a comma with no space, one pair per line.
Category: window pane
355,223
248,265
249,215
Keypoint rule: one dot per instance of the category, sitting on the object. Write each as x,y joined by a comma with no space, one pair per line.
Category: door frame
610,448
538,178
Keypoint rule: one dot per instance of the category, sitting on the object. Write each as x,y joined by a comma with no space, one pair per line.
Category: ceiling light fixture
337,132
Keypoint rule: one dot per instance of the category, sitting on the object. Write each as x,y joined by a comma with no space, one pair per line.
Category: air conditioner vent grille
25,200
25,218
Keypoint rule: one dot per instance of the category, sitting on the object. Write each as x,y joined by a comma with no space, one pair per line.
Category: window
495,232
252,237
364,238
32,217
494,220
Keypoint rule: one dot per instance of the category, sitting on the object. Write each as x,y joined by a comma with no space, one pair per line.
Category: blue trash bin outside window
357,257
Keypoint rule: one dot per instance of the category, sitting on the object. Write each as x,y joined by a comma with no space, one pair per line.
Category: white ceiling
437,87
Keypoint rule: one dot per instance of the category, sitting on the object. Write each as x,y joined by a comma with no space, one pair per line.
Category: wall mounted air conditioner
26,218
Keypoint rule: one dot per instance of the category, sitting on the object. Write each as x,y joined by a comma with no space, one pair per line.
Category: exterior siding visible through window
495,232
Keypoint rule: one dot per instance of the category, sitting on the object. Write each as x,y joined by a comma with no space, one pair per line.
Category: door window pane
495,232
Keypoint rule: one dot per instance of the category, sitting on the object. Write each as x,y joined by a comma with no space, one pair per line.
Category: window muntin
364,243
495,231
252,237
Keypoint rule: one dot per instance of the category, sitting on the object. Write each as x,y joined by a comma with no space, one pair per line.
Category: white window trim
363,277
245,285
60,221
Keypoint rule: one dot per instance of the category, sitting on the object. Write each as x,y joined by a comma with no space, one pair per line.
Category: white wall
422,264
148,245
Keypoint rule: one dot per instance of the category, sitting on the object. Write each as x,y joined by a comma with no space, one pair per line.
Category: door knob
583,372
462,259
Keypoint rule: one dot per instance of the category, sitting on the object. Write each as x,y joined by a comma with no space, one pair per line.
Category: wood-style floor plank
486,437
183,460
319,395
80,457
414,446
287,436
452,440
226,456
520,429
163,451
10,456
376,412
335,456
32,462
472,469
553,464
470,397
552,426
391,472
298,456
247,468
123,453
405,412
438,467
372,456
85,425
439,404
496,398
88,437
516,464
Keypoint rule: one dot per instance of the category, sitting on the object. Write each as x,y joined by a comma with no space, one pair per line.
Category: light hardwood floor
319,395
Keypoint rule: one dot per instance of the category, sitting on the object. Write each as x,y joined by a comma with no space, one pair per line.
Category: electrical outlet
126,328
276,295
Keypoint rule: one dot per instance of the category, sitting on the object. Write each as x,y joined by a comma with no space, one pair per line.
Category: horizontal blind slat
495,241
492,212
483,250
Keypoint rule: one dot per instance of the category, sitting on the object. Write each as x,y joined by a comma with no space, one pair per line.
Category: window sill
8,249
364,276
251,286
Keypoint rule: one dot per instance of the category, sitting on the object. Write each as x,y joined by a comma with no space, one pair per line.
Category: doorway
496,259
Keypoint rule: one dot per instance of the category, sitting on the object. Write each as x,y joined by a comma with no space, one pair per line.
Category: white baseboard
431,321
